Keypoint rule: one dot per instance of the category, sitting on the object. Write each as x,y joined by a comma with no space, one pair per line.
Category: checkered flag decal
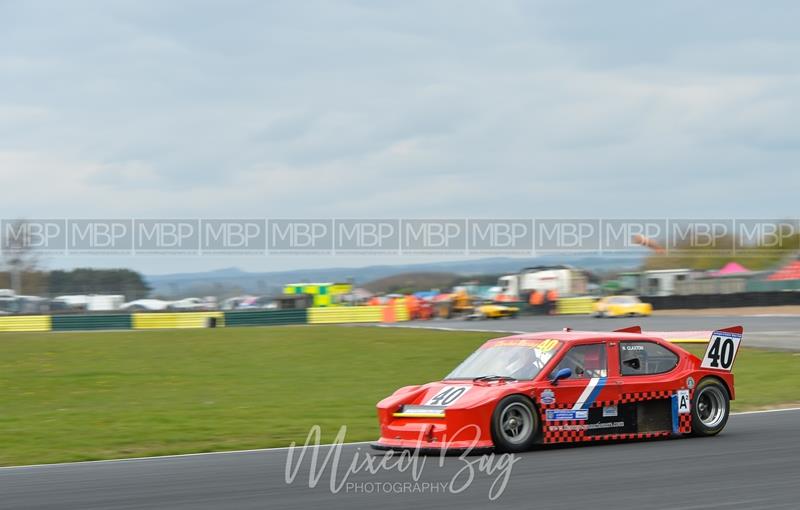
570,431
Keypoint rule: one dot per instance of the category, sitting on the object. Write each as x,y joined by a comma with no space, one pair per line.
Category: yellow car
621,306
491,311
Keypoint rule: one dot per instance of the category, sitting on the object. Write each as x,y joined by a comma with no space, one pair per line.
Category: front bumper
453,430
455,448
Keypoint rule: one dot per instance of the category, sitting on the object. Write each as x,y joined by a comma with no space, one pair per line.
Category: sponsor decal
690,382
684,403
547,397
567,414
609,411
548,345
589,426
541,345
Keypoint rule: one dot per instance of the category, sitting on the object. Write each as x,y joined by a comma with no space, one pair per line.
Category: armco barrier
739,299
344,314
25,323
576,305
265,317
88,322
401,312
175,320
181,320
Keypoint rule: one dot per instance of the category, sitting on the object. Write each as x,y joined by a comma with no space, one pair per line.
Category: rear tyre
515,424
710,408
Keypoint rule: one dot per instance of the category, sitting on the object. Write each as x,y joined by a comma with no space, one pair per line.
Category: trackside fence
91,321
575,305
733,300
265,317
187,320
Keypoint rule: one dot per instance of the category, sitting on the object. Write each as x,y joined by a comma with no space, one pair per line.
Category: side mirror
564,373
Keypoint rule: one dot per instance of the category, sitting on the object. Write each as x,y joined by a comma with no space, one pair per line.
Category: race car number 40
721,350
447,396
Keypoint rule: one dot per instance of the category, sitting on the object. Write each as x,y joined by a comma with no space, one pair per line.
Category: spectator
552,297
536,300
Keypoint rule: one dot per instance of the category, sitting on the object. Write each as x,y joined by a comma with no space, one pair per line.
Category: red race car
559,387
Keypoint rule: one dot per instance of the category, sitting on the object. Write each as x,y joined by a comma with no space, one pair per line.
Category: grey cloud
363,108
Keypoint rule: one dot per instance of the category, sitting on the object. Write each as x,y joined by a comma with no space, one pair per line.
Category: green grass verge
99,395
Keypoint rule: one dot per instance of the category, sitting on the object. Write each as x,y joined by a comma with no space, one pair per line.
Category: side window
642,358
585,361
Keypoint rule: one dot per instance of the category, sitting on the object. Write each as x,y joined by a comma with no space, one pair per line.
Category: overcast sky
113,109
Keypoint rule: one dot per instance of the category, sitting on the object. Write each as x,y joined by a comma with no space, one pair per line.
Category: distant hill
411,282
233,281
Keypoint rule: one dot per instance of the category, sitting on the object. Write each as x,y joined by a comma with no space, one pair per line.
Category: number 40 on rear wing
722,348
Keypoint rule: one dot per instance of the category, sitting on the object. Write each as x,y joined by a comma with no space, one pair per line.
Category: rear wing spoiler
677,337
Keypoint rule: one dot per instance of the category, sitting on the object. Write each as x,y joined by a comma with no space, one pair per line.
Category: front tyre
514,424
710,408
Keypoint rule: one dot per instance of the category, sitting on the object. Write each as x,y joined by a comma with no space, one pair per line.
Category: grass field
98,395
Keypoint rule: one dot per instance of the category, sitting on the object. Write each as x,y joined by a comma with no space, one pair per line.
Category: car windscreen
518,359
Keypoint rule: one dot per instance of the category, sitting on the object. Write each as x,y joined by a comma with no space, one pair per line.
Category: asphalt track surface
753,463
768,331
